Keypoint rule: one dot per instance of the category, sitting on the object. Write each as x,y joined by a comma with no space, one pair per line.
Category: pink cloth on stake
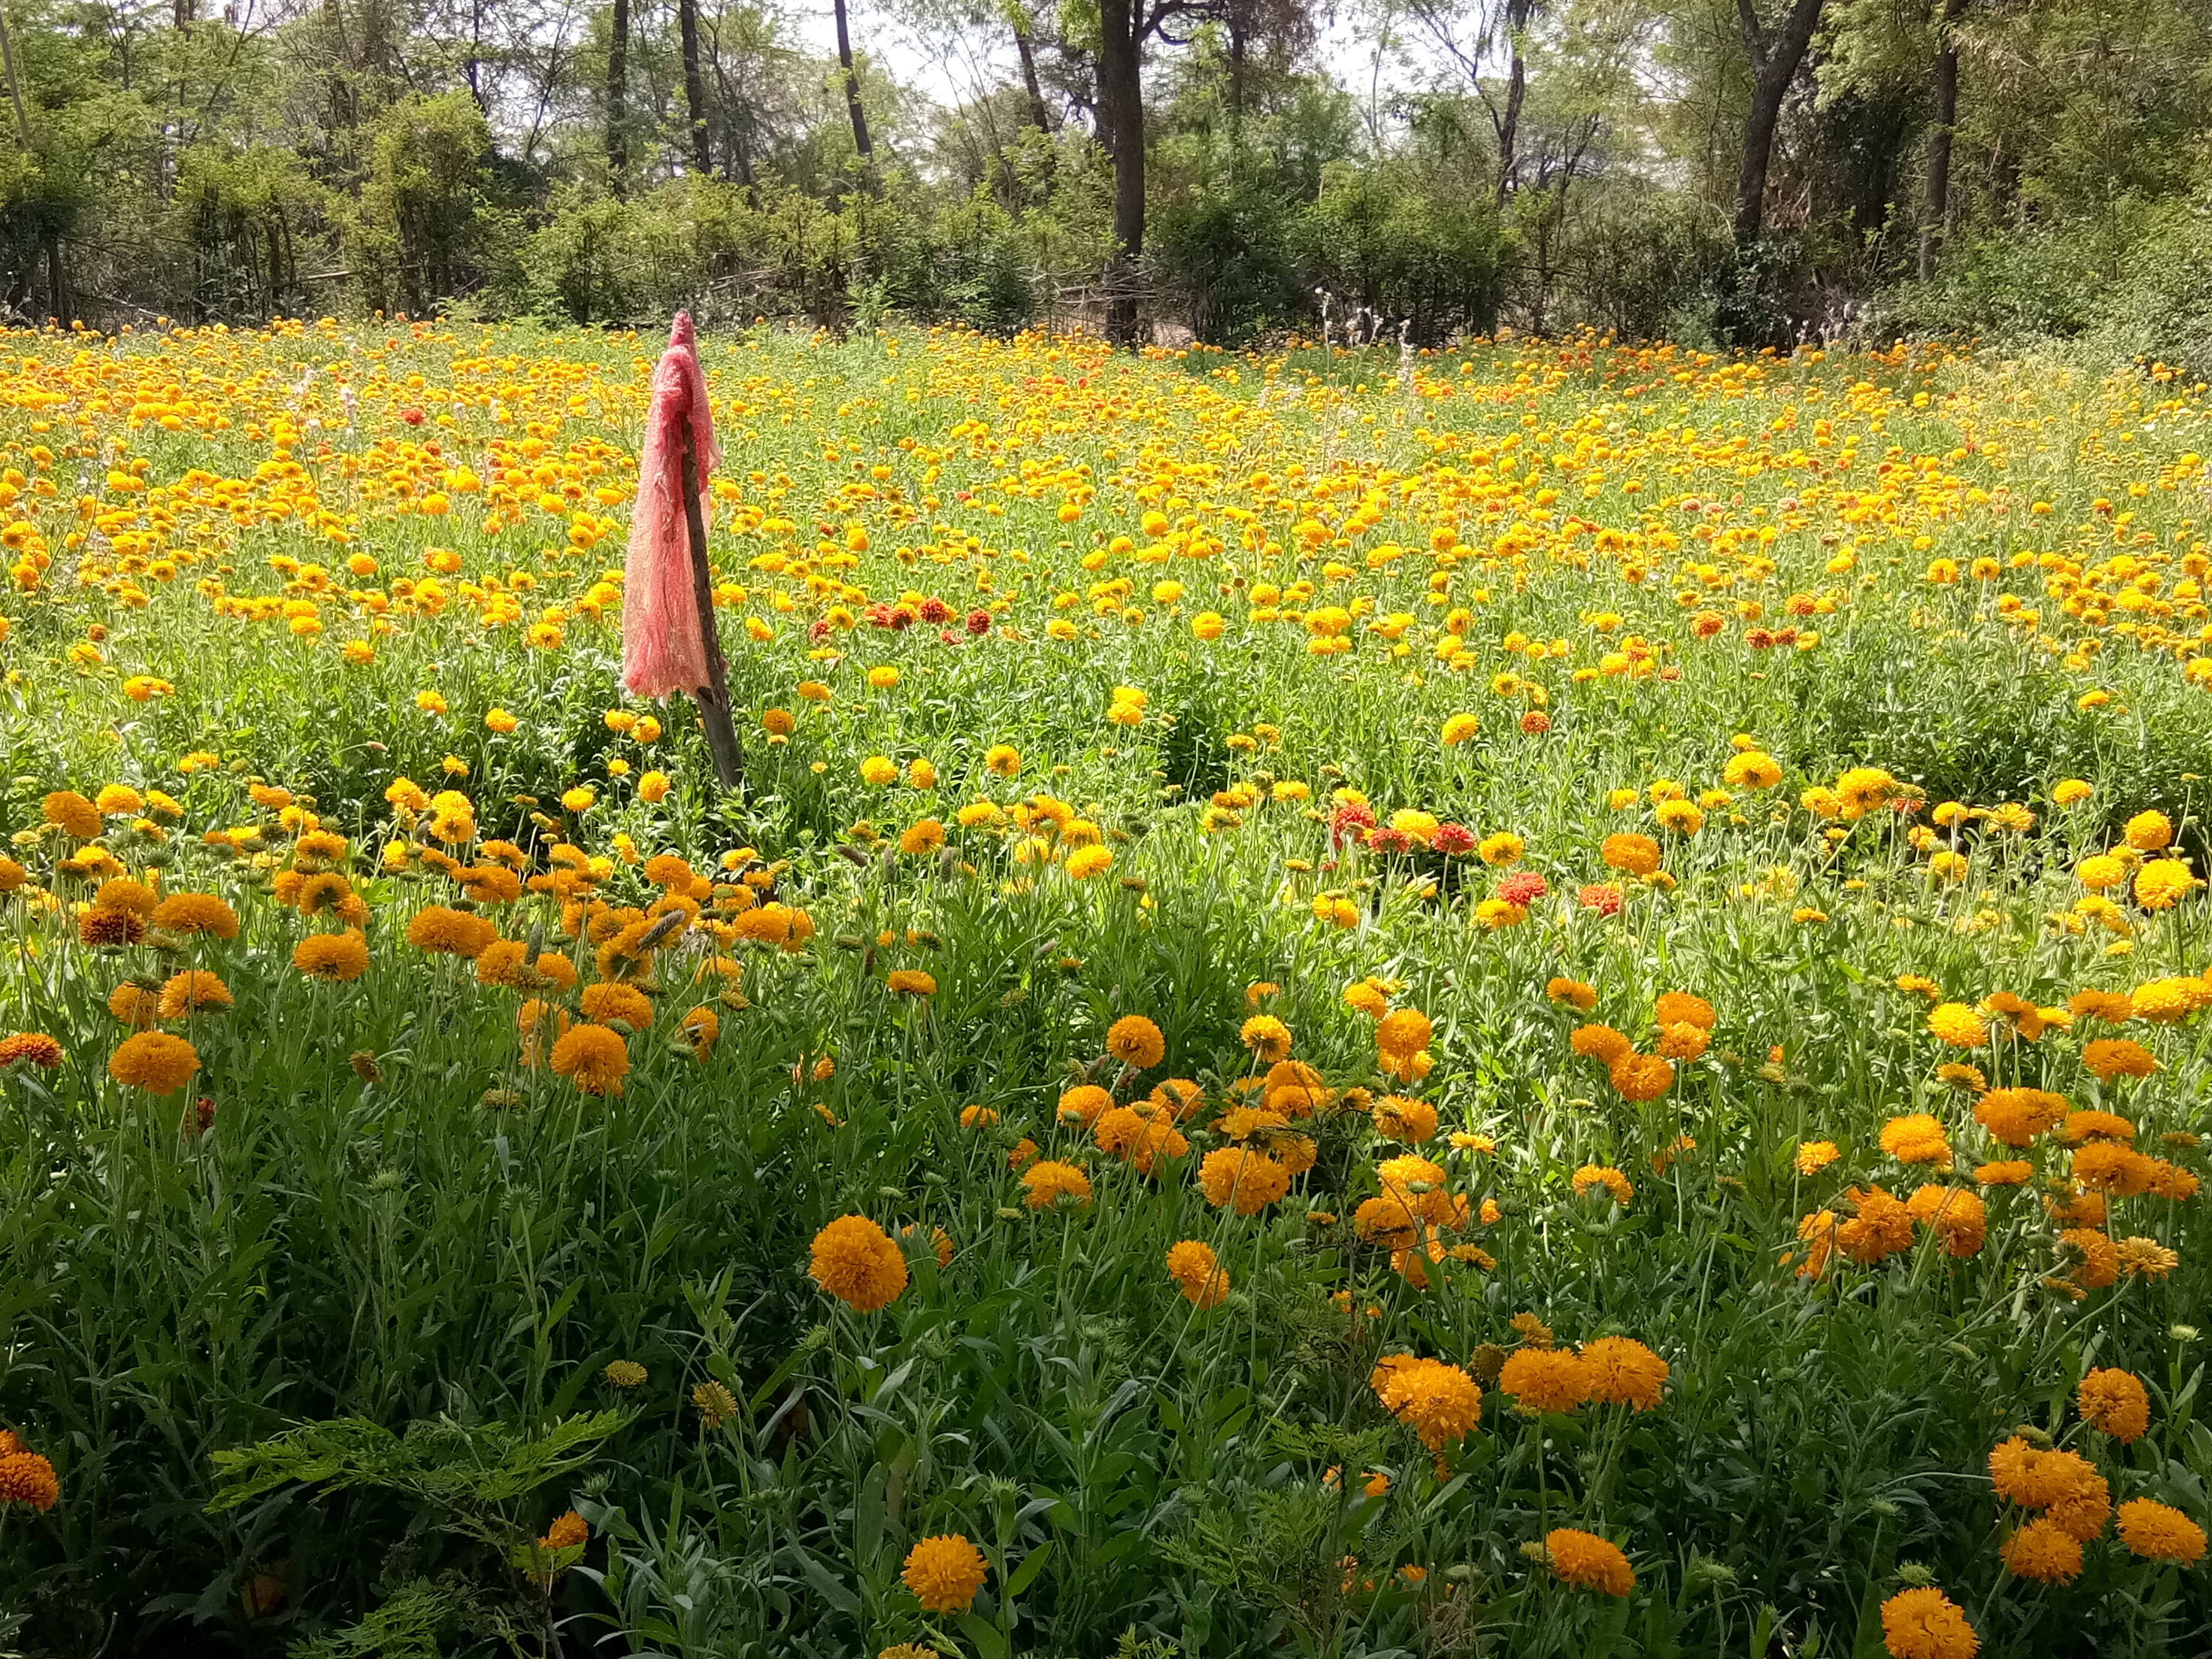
662,650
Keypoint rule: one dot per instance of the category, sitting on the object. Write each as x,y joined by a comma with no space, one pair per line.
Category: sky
948,68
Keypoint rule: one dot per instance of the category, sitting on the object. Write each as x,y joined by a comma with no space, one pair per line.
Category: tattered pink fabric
662,648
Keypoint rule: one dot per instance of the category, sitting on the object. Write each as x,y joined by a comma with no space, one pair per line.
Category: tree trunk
1027,50
852,90
618,110
184,15
1774,65
1518,14
1236,53
695,85
1939,139
1121,125
1509,130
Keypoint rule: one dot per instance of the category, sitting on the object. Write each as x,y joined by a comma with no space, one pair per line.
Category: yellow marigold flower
596,1058
921,838
2149,831
567,1531
25,1478
1683,817
1503,848
2161,884
1956,1024
2067,791
858,1263
1268,1037
1923,1623
913,983
1751,768
944,1572
879,770
1085,862
625,1373
155,1061
1192,1266
1458,729
1136,1041
608,1001
1048,1181
1588,1561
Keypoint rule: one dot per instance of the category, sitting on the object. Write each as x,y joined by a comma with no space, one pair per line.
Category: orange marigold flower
30,1049
944,1572
1622,1371
1923,1623
1136,1041
27,1479
155,1061
595,1056
2157,1532
1192,1266
1250,1181
1050,1179
1546,1380
858,1263
2042,1550
1588,1561
1440,1402
2115,1402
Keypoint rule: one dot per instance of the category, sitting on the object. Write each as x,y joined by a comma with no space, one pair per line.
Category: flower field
1542,1000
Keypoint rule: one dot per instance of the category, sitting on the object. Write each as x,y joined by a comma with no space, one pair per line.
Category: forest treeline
1746,171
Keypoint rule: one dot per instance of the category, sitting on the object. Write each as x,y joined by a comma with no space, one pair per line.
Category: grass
317,1342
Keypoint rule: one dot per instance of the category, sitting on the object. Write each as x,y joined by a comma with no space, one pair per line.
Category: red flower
1758,639
901,619
936,612
412,416
1453,838
1387,840
1536,723
979,622
1350,823
1601,897
947,636
1523,887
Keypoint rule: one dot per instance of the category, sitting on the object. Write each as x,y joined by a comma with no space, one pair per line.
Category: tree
1774,59
617,111
1471,40
695,84
852,84
1940,133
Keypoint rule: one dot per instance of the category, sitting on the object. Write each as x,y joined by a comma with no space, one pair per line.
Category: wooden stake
714,697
